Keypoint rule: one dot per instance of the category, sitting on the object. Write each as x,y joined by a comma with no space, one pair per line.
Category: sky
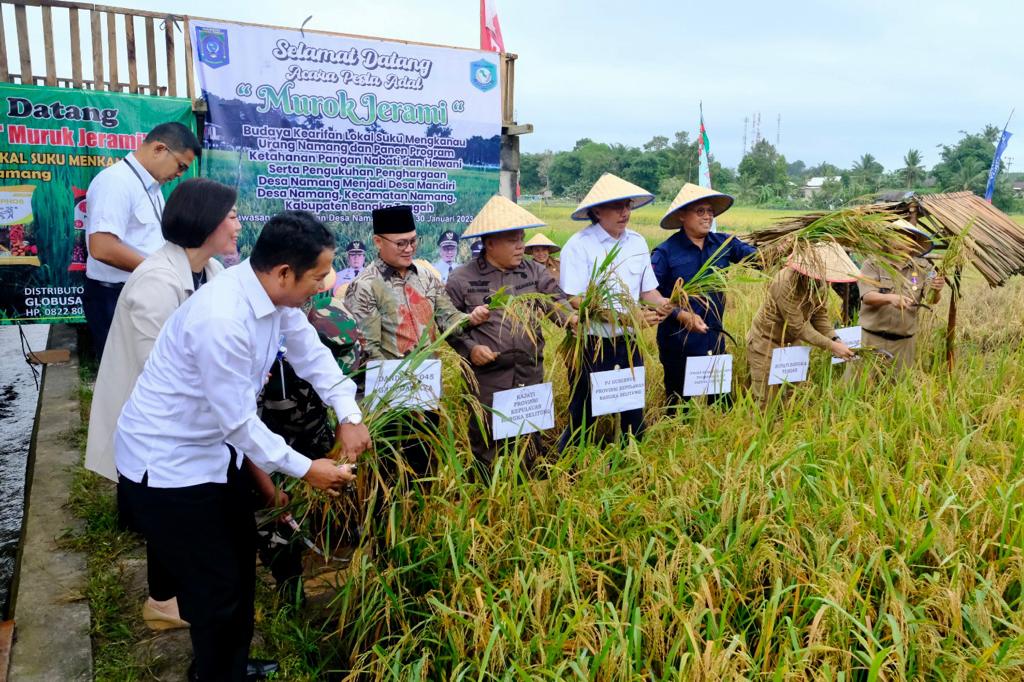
846,77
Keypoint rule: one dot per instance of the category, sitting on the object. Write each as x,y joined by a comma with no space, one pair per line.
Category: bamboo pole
954,294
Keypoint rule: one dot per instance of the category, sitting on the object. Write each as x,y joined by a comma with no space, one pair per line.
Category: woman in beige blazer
198,222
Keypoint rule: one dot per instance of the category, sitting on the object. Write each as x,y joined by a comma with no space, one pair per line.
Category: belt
106,285
888,336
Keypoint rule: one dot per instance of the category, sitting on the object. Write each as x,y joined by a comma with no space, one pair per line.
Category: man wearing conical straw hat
892,300
609,345
543,250
502,352
693,329
796,310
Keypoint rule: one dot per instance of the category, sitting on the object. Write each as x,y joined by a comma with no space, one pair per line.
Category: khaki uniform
393,311
795,310
554,266
886,327
520,360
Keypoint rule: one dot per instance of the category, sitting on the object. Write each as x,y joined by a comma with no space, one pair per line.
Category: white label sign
617,390
708,375
401,386
789,365
851,337
519,411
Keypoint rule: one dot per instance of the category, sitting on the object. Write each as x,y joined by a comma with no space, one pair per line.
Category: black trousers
160,580
675,380
600,355
205,536
99,299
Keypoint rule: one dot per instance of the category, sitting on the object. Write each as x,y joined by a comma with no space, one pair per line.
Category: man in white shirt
608,345
182,434
123,224
448,249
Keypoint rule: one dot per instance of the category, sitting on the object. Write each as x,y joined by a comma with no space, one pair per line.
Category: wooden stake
954,294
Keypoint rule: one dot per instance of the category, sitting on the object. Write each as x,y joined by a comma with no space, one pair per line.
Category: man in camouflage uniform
291,408
503,355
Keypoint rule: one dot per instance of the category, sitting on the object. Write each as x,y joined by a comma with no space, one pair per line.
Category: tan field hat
916,233
501,215
541,240
611,188
690,194
827,261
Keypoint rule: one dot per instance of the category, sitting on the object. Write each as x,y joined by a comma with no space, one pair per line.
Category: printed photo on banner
401,386
519,411
338,125
789,365
617,390
708,375
53,142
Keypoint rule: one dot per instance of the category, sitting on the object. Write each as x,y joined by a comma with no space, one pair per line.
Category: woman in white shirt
199,222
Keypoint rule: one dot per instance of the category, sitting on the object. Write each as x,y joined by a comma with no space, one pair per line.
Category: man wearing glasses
393,301
125,207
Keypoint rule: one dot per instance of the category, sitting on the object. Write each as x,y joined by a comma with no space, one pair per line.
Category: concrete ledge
50,612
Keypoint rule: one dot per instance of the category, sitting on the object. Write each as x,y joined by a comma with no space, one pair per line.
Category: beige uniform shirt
911,282
792,312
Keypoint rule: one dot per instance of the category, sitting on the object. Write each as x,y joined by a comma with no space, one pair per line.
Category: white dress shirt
154,291
444,268
128,206
197,392
632,270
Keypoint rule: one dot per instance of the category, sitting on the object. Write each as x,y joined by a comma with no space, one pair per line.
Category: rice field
865,529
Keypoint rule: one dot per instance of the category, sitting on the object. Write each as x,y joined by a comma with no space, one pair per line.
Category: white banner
851,337
395,382
708,375
789,365
523,410
339,125
617,390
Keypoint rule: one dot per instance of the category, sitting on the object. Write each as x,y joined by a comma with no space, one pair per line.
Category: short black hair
292,238
177,137
194,210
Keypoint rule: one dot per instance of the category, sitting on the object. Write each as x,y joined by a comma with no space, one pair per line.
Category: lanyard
156,211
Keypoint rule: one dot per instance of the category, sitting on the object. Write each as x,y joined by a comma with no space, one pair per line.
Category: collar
182,268
603,237
486,268
147,179
389,272
253,290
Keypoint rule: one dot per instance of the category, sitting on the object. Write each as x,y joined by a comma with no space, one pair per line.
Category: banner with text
53,142
339,125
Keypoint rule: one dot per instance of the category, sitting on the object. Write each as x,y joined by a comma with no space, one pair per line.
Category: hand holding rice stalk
521,313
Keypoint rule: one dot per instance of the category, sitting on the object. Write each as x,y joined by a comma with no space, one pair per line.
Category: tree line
764,177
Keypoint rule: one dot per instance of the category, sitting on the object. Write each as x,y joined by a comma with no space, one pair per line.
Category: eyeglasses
703,211
402,244
182,166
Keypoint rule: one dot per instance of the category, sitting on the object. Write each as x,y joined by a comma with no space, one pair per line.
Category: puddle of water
18,399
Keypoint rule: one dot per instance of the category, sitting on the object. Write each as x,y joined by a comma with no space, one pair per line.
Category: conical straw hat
827,261
916,233
540,240
689,194
611,188
501,215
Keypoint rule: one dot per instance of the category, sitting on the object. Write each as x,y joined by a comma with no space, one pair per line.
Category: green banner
53,142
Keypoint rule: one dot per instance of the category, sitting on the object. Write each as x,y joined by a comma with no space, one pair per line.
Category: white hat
827,261
540,239
689,194
610,188
501,215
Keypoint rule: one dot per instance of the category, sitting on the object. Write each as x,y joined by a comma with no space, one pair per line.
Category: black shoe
259,668
255,669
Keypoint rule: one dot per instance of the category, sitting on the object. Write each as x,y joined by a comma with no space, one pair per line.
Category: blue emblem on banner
483,74
212,46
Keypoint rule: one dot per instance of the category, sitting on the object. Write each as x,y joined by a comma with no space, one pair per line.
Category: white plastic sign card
617,390
851,337
708,375
523,410
789,365
403,386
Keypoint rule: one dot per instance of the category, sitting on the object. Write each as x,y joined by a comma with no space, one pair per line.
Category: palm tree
868,171
912,172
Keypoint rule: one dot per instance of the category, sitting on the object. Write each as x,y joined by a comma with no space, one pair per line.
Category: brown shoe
162,615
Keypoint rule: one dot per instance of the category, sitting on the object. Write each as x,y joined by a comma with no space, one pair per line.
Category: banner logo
483,75
212,46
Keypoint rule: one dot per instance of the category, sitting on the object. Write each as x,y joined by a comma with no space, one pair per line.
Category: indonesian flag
704,160
490,29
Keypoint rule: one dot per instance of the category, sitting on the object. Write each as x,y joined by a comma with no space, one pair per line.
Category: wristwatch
354,418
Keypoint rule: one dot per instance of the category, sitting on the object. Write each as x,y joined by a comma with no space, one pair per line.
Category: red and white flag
490,29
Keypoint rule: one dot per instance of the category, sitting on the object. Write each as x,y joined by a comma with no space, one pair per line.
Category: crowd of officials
212,380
